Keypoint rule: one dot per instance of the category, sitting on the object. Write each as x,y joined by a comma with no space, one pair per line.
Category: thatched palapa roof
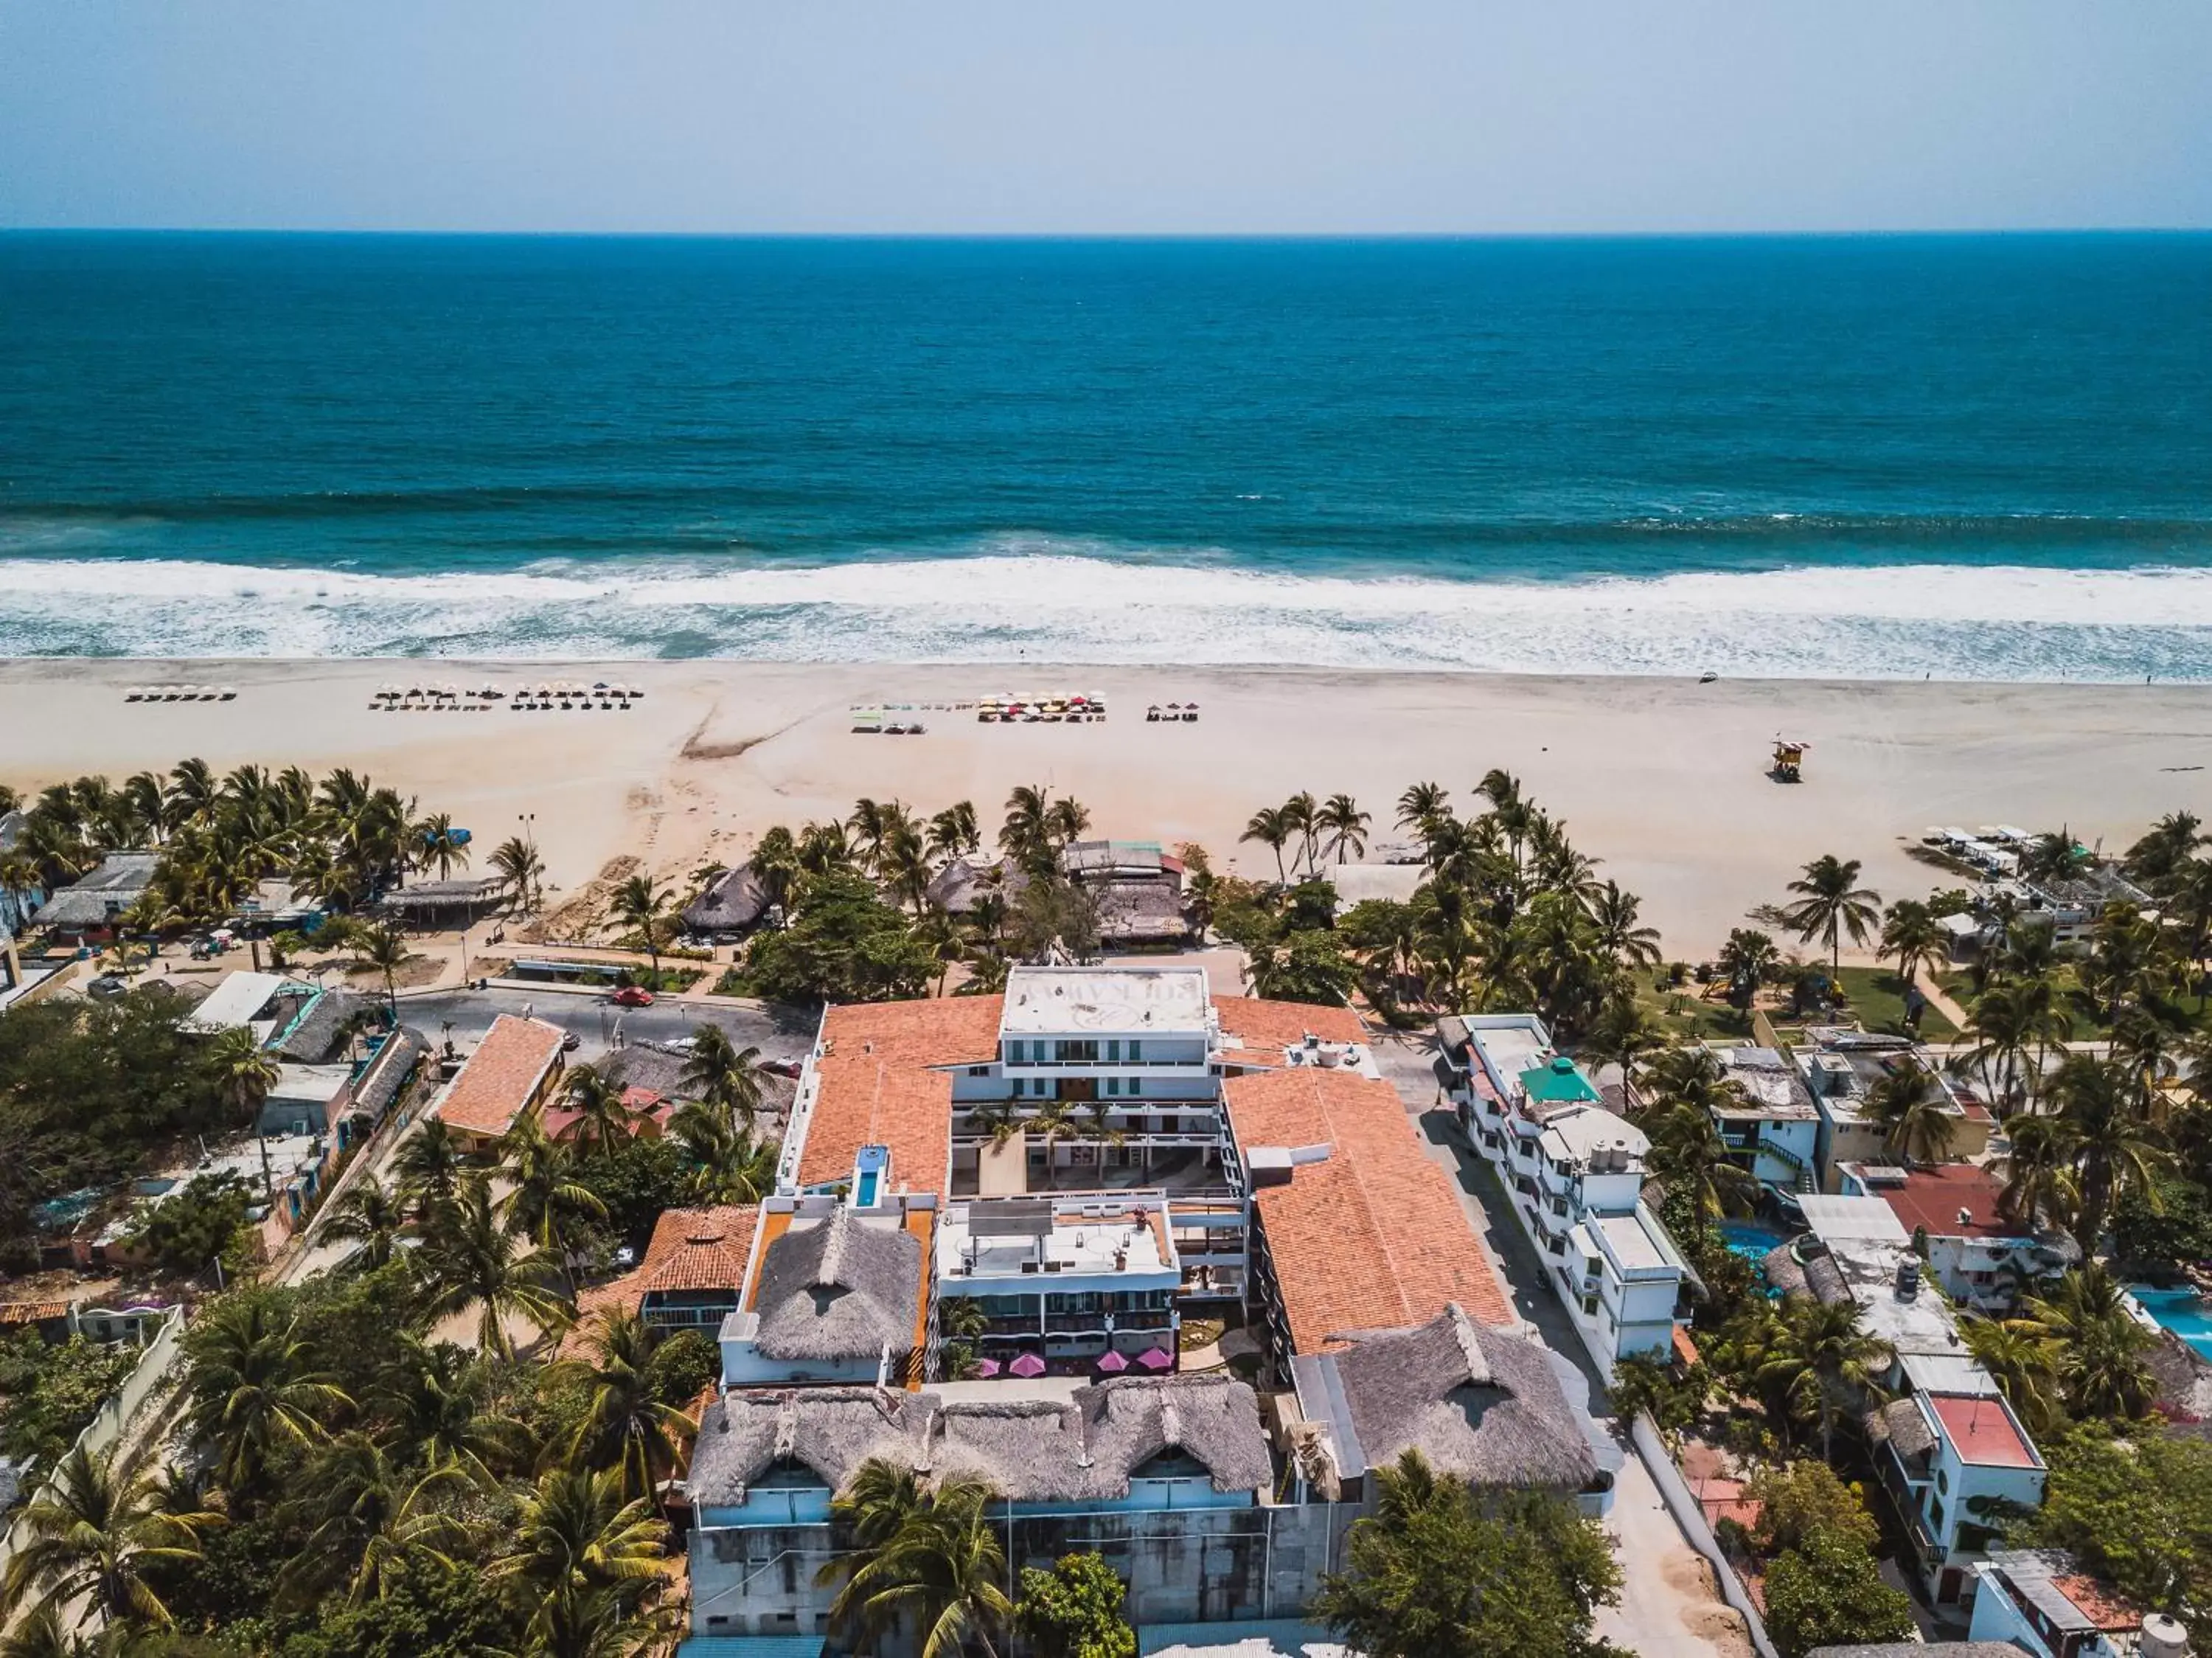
838,1289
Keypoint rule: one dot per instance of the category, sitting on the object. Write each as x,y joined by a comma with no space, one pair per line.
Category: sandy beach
1665,780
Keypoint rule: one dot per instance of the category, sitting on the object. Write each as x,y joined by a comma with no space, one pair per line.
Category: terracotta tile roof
32,1311
1983,1430
500,1075
1268,1028
1933,1198
1372,1238
2111,1612
878,1086
691,1249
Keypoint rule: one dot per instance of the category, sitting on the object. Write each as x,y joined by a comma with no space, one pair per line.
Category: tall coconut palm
2102,1349
641,905
436,845
1270,828
1299,815
244,1072
2008,1027
1687,1151
1749,959
1067,821
954,832
1422,805
1911,938
2170,844
370,1215
1026,835
428,1168
1824,1362
545,1201
1910,1109
1344,825
1831,903
924,1558
728,1166
373,1523
1620,935
604,1119
2038,1171
722,1074
473,1264
91,1535
902,863
2115,1150
2025,1365
578,1545
256,1383
383,949
520,870
625,1427
436,1404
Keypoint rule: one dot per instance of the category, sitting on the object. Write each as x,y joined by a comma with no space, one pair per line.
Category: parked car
632,996
782,1067
107,985
570,1042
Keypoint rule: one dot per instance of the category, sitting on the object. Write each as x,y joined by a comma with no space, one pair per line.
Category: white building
1573,1173
1842,1067
1076,1278
1772,1128
2043,1603
1980,1257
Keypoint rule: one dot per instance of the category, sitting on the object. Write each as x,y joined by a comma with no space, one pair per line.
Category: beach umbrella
986,1368
1156,1358
1029,1364
1113,1363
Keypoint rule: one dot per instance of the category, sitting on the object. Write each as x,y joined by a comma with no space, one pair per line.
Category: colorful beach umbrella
1113,1363
1029,1364
986,1368
1156,1358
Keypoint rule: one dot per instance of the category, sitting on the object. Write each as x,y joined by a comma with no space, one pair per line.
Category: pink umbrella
1156,1358
1029,1364
987,1367
1113,1362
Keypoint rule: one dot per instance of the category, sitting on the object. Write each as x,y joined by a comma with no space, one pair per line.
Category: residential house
1843,1066
2045,1604
90,907
692,1276
1980,1256
841,1294
1135,887
1771,1125
512,1073
1573,1170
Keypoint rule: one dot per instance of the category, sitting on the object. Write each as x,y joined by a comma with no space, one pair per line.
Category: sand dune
1663,779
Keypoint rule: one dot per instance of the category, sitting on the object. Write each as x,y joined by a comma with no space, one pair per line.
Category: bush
48,1392
195,1226
1829,1592
1074,1611
683,1366
1802,1499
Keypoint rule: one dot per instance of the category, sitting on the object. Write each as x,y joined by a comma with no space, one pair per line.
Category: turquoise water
1751,1241
1852,456
2182,1311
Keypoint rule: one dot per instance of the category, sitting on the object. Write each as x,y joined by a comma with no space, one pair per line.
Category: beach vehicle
632,996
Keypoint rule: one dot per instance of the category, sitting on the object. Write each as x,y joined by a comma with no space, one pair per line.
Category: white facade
1573,1173
1774,1130
1077,1276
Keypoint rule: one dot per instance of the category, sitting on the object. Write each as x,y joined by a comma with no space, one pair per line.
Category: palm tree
582,1556
256,1384
1273,831
428,1168
1832,903
435,1403
1299,815
373,1524
2008,1023
953,832
2054,856
519,867
1026,835
872,824
544,1199
1911,1111
1911,935
728,1165
1687,1151
603,1118
370,1215
903,863
2101,1348
1340,819
723,1074
1621,1035
877,1503
1423,804
625,1427
1749,959
90,1535
2024,1363
2115,1149
471,1264
435,844
640,904
1618,936
383,950
1066,820
2038,1170
1822,1360
2169,846
931,1560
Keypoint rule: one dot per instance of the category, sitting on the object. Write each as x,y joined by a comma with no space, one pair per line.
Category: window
1590,1306
1936,1513
1136,1085
979,1070
1114,1049
1593,1268
1556,1246
1136,1052
1942,1482
1113,1086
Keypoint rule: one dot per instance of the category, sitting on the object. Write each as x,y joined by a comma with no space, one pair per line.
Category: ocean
1969,457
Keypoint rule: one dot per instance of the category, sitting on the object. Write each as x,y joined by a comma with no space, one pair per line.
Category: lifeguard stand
1789,760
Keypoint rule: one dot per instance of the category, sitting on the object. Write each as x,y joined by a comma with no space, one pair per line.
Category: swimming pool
2182,1311
1750,1239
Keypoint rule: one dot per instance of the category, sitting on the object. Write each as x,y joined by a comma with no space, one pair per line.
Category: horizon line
1316,236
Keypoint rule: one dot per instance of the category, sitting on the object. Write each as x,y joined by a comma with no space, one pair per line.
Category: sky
1171,116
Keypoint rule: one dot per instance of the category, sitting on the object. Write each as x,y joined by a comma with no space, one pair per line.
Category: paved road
596,1020
1669,1606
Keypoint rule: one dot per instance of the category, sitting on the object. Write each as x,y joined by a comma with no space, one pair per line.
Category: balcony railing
1197,1064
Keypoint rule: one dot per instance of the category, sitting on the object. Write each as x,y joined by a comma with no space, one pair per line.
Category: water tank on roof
1908,1279
2164,1637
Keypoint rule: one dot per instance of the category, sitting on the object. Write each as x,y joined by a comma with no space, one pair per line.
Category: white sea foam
1896,621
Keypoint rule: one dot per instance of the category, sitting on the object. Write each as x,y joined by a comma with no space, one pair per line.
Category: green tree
939,1573
472,1264
1801,1500
1433,1573
195,1226
1831,903
445,1614
1911,938
2103,1352
2115,1150
2024,1363
1912,1112
583,1562
1824,1363
1749,959
374,1525
93,1534
254,1383
641,905
49,1391
627,1426
434,1403
520,870
723,1074
1074,1611
1829,1591
2136,1511
842,944
1273,830
371,1217
1304,967
604,1119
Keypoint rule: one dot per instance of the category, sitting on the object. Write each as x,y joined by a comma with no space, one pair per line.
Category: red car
632,996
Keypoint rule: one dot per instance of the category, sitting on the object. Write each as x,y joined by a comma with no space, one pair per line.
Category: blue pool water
2182,1311
1750,1239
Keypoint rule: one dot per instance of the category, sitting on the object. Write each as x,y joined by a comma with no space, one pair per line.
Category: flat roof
322,1083
1983,1430
1833,1219
1937,1197
1584,1134
1771,1086
1372,1236
500,1075
235,1002
1947,1372
1097,1238
1631,1240
1118,1001
1508,1049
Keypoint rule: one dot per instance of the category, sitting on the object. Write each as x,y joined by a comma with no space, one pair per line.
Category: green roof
1557,1081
